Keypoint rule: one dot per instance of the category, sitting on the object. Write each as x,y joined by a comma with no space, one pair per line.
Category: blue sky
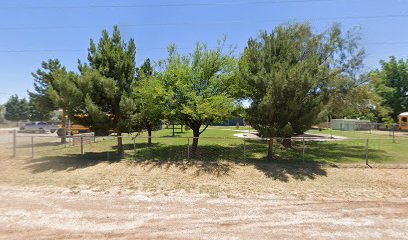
33,31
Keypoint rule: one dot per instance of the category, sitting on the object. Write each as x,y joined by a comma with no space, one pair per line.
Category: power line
265,2
386,43
163,48
72,50
167,24
40,50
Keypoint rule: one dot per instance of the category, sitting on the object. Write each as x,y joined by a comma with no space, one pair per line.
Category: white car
39,127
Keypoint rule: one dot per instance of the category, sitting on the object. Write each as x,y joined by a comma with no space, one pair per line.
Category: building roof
404,114
351,120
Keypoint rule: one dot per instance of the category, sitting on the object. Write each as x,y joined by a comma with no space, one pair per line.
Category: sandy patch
306,137
58,213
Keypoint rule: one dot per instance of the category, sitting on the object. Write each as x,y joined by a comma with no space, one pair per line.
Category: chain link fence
370,151
384,129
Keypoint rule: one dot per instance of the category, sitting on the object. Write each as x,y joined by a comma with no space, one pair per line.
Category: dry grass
222,178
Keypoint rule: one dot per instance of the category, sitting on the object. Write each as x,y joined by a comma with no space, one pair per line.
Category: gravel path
60,213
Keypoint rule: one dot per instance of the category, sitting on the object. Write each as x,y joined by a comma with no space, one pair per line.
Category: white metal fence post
303,149
245,156
188,149
82,145
32,146
393,133
366,152
14,142
134,148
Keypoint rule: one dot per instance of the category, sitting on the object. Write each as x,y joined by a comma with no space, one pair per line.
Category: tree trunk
287,142
270,149
196,135
173,130
149,133
181,128
120,144
64,125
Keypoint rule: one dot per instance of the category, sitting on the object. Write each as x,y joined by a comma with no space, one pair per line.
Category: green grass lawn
382,148
219,143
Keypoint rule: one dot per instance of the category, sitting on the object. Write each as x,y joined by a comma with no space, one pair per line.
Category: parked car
39,127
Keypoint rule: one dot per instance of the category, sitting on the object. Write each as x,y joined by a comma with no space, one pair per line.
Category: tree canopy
199,86
292,77
100,97
391,83
43,78
17,109
286,75
149,95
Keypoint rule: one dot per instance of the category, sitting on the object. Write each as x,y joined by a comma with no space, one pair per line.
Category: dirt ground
58,213
71,198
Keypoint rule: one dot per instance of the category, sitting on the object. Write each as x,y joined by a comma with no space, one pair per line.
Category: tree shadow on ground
342,152
218,169
208,159
283,171
70,162
40,144
330,152
214,159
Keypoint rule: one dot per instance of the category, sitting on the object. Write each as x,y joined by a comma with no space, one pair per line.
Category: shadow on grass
218,160
218,169
283,171
70,162
40,144
342,152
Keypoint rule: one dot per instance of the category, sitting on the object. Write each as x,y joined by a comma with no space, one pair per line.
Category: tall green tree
351,93
40,100
107,82
17,109
350,98
199,86
150,105
391,83
149,95
146,70
43,78
66,92
286,74
37,114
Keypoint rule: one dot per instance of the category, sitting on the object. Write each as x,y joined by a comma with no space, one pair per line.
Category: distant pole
303,149
69,131
188,149
82,145
393,133
245,156
134,148
14,142
330,127
32,146
366,148
327,123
